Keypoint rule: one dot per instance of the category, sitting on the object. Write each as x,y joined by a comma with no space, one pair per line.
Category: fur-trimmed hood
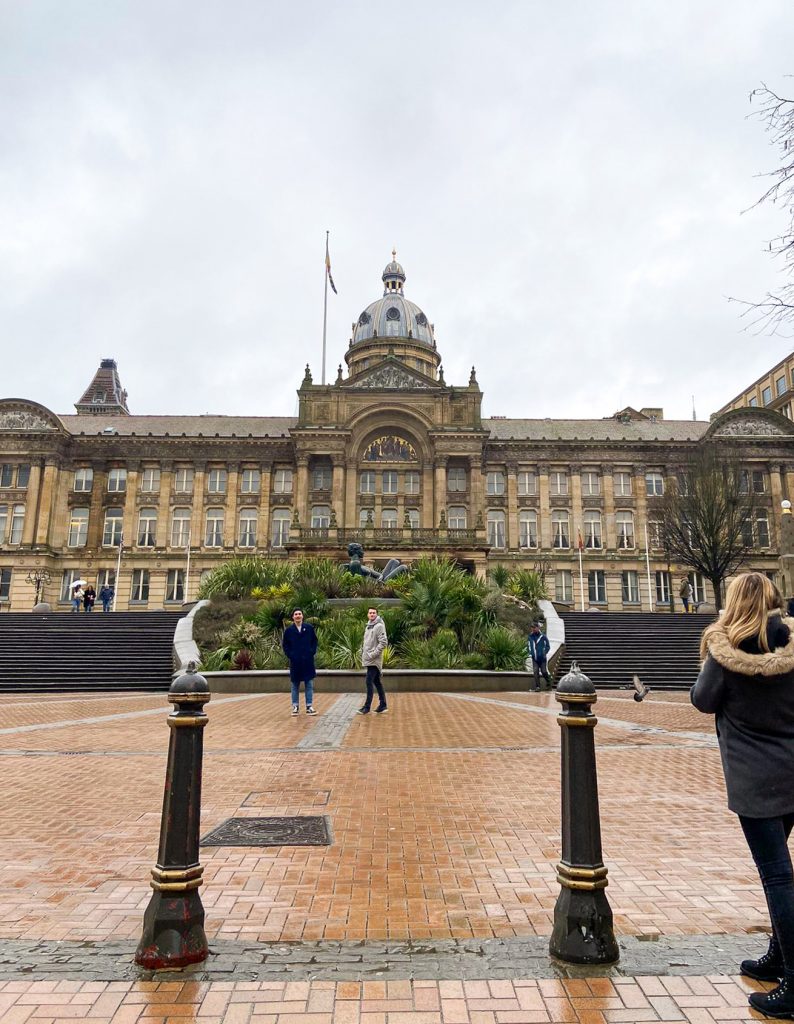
778,662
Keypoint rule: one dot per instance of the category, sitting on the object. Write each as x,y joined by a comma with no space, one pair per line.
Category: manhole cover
302,831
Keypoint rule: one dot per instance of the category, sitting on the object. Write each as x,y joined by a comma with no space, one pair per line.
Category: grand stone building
389,454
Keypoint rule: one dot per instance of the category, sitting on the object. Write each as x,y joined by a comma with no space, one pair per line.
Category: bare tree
707,516
775,311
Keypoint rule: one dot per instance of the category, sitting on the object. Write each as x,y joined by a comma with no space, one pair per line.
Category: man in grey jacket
375,641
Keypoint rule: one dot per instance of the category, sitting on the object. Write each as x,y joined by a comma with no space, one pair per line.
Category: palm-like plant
527,585
504,649
239,577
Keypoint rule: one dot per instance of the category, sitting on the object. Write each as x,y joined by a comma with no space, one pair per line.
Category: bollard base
173,932
582,932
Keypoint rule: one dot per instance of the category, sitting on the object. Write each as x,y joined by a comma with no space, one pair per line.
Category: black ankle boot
768,967
779,1002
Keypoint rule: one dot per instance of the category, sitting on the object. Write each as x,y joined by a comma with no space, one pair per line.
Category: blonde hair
748,602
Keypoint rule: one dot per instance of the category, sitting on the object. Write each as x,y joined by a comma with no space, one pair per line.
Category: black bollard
582,932
173,925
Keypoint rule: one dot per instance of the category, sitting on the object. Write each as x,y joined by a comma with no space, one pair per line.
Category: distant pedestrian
747,683
89,598
77,596
685,592
299,643
375,643
106,597
790,607
538,647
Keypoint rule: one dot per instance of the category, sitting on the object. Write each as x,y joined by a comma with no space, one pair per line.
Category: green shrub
439,651
504,649
239,577
215,618
242,634
339,642
527,585
499,575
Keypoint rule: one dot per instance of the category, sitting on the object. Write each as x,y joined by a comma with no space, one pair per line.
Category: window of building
282,481
780,386
68,578
17,524
630,586
591,483
624,524
6,475
656,533
558,483
494,482
250,481
592,529
456,478
495,523
183,480
279,527
5,584
112,529
147,527
623,485
755,531
3,523
412,515
23,475
180,527
563,586
105,578
366,517
83,479
560,532
140,586
389,481
747,531
766,395
752,480
78,528
456,517
366,482
150,479
527,482
596,586
662,587
654,483
698,582
682,484
216,481
214,532
388,519
247,532
527,528
117,479
322,477
320,517
175,585
411,482
752,401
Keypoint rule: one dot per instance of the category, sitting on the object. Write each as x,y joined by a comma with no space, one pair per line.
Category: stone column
47,499
349,518
440,488
338,489
577,513
162,537
544,510
476,490
511,519
31,504
608,491
130,507
263,526
230,509
302,489
428,499
197,519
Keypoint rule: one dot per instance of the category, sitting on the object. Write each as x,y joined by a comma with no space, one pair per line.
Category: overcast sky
564,183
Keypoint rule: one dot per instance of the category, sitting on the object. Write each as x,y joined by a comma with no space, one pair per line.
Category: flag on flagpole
580,543
328,268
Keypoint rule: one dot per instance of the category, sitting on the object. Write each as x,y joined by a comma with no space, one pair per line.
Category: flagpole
325,302
118,570
648,570
187,571
581,577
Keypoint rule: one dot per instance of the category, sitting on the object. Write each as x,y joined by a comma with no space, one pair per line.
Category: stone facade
389,455
774,390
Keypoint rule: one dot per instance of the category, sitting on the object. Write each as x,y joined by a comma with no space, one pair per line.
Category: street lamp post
38,578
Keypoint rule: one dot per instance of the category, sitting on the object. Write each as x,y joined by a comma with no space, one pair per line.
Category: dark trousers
539,669
374,683
768,842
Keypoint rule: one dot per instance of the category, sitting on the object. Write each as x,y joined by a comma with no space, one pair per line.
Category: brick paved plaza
434,902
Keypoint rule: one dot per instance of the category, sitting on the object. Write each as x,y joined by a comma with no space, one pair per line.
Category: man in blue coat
299,643
538,646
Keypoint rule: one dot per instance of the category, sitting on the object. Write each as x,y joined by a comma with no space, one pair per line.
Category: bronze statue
394,567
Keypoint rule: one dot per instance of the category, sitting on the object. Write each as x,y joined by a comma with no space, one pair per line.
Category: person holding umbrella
76,592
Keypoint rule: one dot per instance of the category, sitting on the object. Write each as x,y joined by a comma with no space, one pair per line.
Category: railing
377,536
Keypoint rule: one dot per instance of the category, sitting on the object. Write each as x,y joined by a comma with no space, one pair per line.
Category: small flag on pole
328,268
580,543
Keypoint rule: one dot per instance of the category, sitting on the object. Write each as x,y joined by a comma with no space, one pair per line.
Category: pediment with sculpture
24,417
751,422
391,375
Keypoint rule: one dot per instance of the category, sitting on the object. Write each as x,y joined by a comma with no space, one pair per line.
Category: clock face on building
390,448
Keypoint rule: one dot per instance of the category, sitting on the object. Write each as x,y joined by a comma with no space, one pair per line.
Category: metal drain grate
298,831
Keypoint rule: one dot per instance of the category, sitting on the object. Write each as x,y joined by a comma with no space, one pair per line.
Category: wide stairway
612,647
63,651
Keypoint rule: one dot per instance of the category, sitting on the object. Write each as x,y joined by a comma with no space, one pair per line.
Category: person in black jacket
299,643
747,683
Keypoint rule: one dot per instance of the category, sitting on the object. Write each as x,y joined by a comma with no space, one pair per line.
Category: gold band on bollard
576,698
172,880
591,721
175,721
582,878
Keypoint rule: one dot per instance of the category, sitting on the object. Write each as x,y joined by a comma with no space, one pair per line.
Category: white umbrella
79,583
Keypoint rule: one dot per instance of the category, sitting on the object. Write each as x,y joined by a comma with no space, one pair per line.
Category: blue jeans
768,842
296,689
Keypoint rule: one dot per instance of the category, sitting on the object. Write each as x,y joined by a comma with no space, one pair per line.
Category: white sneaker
310,711
294,709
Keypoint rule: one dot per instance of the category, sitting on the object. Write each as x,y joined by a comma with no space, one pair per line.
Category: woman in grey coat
747,683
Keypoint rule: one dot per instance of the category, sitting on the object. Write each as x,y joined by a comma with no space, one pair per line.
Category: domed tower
393,326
